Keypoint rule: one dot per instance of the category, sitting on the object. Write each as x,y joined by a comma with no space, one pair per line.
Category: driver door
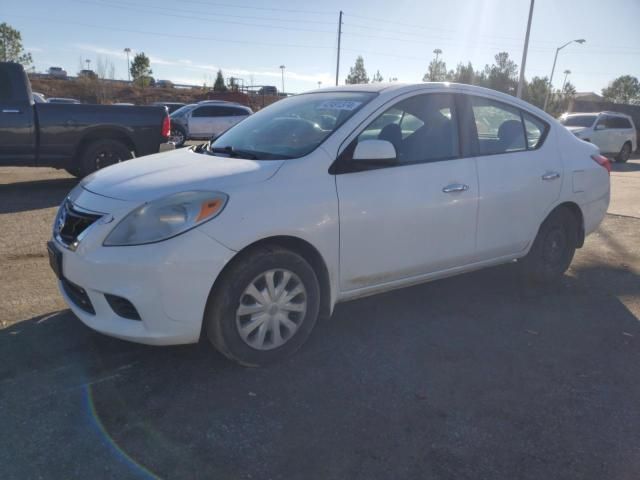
417,215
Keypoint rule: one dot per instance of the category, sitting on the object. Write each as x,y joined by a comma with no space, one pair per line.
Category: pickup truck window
5,86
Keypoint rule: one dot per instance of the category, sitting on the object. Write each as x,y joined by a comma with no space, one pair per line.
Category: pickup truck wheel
178,136
624,154
553,248
102,153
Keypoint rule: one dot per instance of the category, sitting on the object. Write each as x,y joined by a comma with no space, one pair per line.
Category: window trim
343,163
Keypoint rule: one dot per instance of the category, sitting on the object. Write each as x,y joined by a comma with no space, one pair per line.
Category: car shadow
34,195
476,376
625,167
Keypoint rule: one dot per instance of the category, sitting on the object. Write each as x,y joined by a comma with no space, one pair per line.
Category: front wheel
624,154
264,307
552,249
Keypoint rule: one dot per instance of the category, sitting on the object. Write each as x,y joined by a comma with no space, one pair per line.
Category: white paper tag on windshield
338,105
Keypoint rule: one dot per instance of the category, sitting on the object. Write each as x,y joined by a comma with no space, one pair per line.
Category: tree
503,74
624,89
377,78
437,70
219,85
11,46
141,71
535,91
463,74
357,73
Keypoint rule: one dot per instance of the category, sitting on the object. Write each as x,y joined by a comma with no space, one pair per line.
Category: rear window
5,85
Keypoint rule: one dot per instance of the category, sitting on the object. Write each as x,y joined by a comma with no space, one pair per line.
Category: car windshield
578,120
182,111
292,127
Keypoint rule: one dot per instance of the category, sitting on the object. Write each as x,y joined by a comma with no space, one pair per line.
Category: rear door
623,131
519,173
204,121
17,124
233,115
604,135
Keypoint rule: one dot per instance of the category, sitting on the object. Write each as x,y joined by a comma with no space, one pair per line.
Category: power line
191,17
251,7
171,35
120,4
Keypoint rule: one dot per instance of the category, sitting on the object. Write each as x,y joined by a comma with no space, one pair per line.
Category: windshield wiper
232,152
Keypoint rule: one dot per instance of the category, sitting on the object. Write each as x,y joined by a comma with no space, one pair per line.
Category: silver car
204,120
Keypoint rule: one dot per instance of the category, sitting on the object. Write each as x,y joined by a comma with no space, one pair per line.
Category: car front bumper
168,283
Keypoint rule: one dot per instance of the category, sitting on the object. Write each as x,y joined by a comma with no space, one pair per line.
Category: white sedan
321,198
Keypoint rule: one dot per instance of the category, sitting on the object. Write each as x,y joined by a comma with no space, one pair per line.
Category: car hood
156,176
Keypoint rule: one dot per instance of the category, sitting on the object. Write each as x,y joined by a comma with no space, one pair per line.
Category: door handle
455,187
550,176
10,110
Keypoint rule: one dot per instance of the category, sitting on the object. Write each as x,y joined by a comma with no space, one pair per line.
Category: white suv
612,132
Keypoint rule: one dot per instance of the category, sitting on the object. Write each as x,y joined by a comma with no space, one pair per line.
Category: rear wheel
102,153
264,308
624,154
553,248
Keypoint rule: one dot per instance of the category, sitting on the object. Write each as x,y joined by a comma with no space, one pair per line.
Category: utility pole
128,51
339,38
282,67
524,53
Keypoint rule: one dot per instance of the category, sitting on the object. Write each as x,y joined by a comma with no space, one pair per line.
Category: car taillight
166,127
603,162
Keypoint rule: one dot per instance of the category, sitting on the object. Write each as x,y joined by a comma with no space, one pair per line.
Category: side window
5,86
202,112
621,122
499,127
535,129
603,123
421,128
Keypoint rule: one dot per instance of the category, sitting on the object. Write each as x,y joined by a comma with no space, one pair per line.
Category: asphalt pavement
470,377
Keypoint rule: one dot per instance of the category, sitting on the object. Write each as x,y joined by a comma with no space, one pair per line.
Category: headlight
167,217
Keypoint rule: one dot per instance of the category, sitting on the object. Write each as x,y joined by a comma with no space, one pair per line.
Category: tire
267,338
177,136
552,249
625,153
102,153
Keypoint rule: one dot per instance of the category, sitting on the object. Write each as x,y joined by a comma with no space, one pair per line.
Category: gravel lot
470,377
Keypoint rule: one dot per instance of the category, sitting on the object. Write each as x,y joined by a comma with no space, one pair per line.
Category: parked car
125,104
250,239
78,138
171,106
58,72
204,120
613,132
163,84
63,100
268,90
90,74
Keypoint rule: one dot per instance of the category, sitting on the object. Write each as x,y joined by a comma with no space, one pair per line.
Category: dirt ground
466,378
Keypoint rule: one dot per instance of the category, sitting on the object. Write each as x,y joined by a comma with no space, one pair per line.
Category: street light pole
282,67
128,51
546,98
524,53
433,78
88,64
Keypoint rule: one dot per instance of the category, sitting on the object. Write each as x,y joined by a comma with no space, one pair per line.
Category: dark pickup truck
78,138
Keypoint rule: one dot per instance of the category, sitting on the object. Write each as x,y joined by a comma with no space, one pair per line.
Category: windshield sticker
338,105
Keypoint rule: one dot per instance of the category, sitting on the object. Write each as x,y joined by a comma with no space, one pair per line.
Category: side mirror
375,152
600,126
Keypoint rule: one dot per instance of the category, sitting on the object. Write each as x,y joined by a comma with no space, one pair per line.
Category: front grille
78,296
71,223
122,307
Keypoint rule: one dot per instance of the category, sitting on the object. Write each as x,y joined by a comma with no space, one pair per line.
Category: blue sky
188,40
